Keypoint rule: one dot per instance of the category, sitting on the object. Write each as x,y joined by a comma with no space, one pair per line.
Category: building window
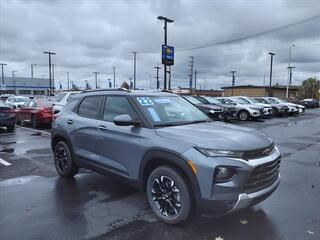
24,91
39,92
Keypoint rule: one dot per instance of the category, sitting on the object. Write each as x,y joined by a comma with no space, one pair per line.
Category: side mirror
125,120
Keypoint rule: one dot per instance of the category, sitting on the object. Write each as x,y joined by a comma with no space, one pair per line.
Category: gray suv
163,145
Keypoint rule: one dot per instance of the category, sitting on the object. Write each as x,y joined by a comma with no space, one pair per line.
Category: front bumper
239,192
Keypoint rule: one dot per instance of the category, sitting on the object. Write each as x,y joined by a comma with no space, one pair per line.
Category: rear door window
89,107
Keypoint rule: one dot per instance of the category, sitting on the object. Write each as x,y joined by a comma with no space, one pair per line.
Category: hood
217,135
264,105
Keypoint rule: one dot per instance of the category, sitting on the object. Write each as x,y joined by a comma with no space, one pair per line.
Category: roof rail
106,89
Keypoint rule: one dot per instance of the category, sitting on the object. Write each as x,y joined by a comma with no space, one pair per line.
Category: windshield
212,100
226,101
20,99
59,97
169,110
252,100
261,100
242,101
280,100
192,100
271,100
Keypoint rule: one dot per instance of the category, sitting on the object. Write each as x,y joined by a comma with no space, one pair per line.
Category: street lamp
166,20
233,81
150,75
50,83
271,54
289,71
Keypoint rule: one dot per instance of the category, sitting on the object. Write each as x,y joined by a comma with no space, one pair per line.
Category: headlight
220,153
211,111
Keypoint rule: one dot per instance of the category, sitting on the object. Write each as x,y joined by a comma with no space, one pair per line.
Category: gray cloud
96,35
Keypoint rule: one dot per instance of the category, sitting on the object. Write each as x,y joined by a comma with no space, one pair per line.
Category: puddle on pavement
18,181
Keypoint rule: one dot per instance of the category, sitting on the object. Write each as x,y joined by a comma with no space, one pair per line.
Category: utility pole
157,77
233,81
2,74
32,69
114,76
169,82
68,81
270,83
134,68
50,83
191,73
195,81
290,80
96,78
53,84
289,63
166,20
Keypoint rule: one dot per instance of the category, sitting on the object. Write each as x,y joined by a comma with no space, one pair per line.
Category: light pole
50,83
166,20
157,77
2,75
134,68
130,82
290,80
150,79
233,81
114,76
96,78
32,69
289,69
270,90
110,84
68,81
14,80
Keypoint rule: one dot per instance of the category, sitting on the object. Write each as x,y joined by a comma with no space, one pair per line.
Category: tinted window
89,107
33,104
116,105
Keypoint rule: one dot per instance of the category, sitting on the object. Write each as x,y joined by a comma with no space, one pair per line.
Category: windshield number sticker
144,101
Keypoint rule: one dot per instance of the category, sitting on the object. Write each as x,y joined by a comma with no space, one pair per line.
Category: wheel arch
156,158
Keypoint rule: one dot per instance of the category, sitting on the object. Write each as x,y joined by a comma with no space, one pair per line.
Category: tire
34,121
63,161
243,115
18,121
160,184
275,112
10,128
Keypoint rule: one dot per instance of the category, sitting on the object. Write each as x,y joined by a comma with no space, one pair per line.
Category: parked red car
35,112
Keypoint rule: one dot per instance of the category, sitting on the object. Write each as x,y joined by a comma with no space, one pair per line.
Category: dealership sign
167,55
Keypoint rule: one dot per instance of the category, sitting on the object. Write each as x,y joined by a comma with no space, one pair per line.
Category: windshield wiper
179,124
196,121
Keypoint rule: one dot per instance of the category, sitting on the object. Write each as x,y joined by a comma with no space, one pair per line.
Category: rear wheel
168,195
10,128
243,115
63,161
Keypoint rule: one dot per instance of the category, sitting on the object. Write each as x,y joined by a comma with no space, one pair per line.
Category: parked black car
212,111
7,117
310,103
230,112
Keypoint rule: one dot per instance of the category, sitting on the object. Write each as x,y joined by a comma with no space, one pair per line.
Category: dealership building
261,91
25,86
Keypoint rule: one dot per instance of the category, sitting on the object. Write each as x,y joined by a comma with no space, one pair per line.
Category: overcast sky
90,36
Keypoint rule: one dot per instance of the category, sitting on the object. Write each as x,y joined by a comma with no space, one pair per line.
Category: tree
125,85
309,89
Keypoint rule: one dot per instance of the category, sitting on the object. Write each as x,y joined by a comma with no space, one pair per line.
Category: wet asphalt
36,204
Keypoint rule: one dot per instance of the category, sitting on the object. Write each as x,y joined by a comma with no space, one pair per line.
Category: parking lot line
4,162
35,130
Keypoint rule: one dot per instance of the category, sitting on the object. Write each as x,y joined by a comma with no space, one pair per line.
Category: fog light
224,174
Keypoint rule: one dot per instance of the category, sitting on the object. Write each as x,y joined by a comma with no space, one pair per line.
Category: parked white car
293,108
301,108
60,101
267,108
16,102
245,111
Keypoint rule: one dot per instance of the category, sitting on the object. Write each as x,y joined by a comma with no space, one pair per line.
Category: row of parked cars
244,108
41,110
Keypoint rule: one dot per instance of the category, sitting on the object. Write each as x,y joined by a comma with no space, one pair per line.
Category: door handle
102,127
70,122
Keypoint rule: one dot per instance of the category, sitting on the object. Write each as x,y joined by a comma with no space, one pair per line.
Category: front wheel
243,115
63,161
10,128
168,195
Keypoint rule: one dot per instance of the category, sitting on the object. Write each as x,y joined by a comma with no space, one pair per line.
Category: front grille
263,176
259,153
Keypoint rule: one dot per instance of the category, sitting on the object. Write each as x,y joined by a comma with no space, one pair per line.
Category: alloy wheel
61,159
166,196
